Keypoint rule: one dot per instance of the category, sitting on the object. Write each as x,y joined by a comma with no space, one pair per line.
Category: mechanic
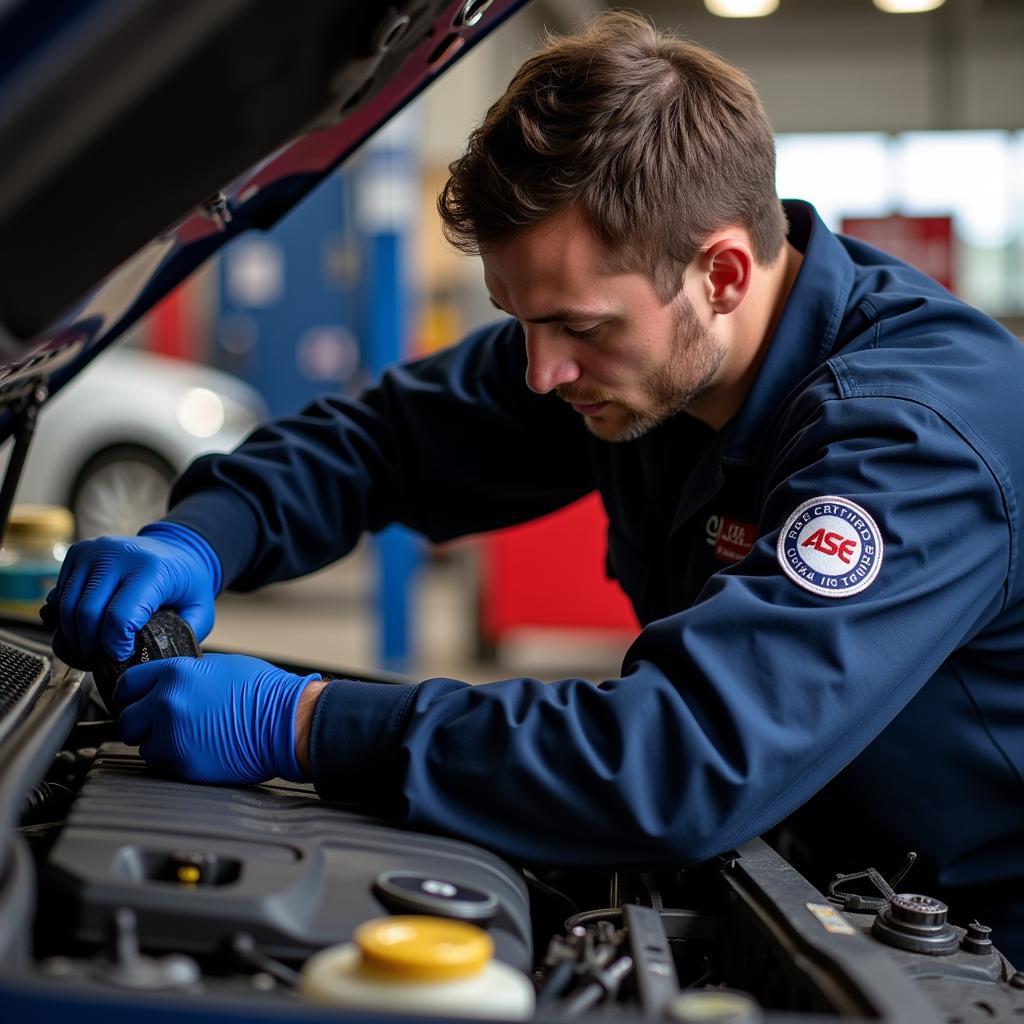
809,454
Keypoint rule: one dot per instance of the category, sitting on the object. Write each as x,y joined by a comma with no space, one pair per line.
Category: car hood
140,136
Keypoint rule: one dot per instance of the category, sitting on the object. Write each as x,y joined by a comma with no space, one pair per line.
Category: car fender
128,398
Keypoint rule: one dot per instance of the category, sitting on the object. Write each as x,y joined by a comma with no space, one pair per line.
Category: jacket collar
805,335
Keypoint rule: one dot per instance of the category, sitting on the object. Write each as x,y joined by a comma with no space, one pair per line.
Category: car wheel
120,490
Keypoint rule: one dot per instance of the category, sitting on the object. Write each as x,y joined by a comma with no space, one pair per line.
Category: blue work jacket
830,590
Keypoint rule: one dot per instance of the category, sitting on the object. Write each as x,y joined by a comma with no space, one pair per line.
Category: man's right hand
109,588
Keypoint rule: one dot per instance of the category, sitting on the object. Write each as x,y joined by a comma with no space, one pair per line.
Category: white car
109,443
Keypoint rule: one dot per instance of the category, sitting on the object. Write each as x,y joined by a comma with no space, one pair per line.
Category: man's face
601,339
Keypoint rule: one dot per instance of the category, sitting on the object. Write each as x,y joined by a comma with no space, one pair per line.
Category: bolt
1017,980
977,939
216,209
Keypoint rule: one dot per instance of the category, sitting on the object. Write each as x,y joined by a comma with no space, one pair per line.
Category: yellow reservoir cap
414,948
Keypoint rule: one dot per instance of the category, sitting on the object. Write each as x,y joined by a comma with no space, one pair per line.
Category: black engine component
199,864
918,924
654,968
166,635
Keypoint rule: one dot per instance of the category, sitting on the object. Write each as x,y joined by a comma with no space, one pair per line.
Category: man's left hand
222,718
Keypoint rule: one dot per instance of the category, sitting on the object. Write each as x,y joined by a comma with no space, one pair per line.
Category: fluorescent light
908,6
743,8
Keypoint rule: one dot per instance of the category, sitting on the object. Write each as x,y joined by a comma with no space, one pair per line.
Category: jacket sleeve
447,445
727,715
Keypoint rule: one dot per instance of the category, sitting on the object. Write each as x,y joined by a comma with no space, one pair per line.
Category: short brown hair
658,140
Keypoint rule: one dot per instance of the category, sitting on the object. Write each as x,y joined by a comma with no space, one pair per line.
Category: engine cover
199,864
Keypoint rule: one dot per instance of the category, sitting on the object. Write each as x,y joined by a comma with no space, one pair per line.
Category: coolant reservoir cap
715,1006
423,948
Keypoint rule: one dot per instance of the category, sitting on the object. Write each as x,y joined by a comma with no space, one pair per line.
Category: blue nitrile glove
109,588
221,718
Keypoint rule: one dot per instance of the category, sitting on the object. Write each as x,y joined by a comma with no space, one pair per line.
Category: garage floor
328,619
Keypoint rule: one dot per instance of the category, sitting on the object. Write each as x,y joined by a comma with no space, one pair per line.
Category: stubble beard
688,373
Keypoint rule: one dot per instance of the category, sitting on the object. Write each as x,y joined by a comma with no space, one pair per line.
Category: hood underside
141,136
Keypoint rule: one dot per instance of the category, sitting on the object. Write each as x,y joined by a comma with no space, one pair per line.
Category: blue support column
386,201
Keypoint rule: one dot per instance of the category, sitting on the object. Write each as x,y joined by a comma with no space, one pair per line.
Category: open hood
140,136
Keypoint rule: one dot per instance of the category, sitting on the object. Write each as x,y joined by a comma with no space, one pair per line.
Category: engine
123,890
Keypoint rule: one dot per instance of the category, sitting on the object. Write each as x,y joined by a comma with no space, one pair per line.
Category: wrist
304,721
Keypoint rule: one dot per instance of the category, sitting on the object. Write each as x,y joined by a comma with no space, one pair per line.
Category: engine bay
126,890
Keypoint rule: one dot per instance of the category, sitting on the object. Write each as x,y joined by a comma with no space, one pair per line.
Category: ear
727,265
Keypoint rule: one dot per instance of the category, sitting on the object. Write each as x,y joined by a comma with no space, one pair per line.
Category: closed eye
589,332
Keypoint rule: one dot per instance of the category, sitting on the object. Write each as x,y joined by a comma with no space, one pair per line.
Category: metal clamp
855,902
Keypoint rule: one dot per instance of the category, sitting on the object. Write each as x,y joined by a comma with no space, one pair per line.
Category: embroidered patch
831,546
734,540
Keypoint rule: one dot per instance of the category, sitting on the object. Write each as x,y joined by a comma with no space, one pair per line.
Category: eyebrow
559,316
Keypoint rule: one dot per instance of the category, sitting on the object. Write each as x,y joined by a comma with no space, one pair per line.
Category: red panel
172,326
551,573
924,242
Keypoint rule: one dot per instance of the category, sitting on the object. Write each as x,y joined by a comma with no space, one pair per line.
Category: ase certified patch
831,546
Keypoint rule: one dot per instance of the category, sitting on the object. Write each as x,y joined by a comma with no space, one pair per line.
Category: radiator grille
19,670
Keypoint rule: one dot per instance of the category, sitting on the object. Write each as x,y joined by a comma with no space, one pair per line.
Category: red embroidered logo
831,544
735,539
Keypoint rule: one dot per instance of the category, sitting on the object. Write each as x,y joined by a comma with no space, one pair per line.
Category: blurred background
903,127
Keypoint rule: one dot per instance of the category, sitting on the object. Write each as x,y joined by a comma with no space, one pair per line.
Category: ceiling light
743,8
908,6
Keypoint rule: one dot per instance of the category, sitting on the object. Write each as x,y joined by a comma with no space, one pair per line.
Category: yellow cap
47,524
714,1007
423,948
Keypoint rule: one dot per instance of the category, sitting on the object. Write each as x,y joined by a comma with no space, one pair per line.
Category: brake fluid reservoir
424,964
33,549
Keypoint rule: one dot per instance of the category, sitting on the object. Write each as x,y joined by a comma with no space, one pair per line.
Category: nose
548,364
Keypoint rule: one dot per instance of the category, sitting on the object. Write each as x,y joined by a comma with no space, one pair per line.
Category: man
843,656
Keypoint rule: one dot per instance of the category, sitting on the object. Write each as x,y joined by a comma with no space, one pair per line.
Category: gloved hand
222,718
109,588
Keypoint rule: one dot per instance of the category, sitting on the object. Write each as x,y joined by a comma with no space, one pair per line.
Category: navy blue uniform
830,589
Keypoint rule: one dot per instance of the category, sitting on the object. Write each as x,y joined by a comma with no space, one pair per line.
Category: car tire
119,490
